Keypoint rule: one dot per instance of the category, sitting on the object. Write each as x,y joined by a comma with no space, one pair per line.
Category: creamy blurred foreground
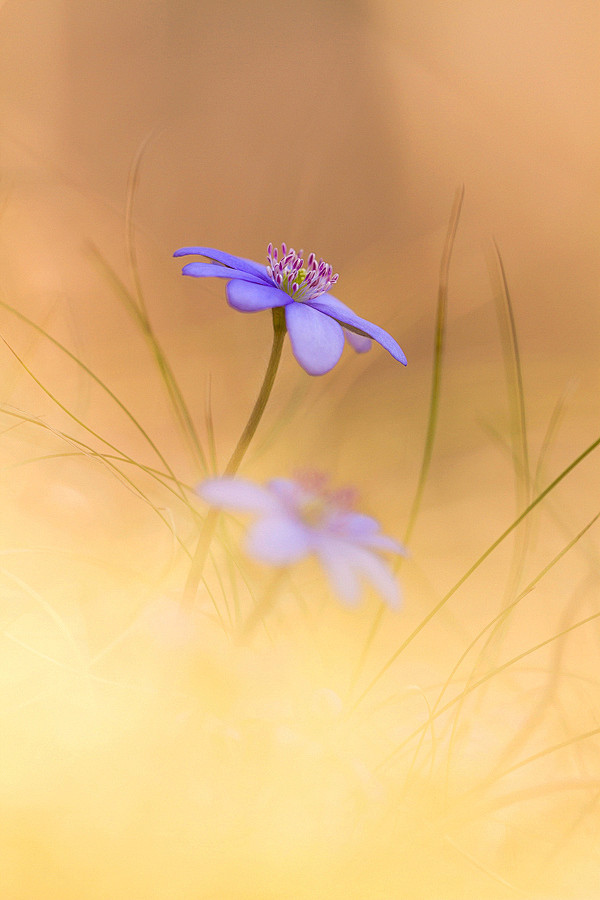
144,751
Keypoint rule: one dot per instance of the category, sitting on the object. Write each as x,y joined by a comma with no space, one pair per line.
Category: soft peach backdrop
345,127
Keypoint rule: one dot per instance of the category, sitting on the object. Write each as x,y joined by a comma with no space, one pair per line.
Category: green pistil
298,279
312,511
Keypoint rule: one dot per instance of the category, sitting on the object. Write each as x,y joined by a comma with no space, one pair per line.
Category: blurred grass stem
264,605
478,562
438,355
434,403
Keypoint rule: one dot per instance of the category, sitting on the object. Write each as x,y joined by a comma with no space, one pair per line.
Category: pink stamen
319,495
303,281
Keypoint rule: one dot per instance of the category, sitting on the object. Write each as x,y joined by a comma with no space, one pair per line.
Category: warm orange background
344,128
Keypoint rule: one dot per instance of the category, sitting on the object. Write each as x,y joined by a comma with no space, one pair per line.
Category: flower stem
210,522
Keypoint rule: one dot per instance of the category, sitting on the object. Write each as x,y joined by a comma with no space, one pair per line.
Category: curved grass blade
434,403
90,452
514,373
94,378
490,627
481,559
175,395
492,674
438,354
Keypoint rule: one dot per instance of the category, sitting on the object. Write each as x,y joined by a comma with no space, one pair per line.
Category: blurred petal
344,562
375,570
278,540
288,491
358,526
237,494
360,343
329,305
334,556
208,270
364,531
248,296
385,543
233,262
317,340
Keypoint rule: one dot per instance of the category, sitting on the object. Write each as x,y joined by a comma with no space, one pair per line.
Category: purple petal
209,270
278,540
237,494
233,262
375,570
384,543
289,492
333,307
344,561
317,340
365,531
248,296
357,526
334,557
360,343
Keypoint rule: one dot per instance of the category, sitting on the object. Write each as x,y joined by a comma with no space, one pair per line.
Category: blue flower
315,320
300,517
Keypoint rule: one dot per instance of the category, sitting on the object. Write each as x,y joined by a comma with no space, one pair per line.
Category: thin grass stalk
434,403
491,626
97,381
438,358
492,674
478,562
178,403
517,429
105,460
175,395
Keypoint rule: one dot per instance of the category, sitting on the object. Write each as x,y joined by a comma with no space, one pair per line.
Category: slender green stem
210,522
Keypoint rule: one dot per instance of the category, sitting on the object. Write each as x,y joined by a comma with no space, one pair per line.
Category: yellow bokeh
441,752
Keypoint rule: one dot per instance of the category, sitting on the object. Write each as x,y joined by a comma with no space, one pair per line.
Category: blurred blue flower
315,320
303,516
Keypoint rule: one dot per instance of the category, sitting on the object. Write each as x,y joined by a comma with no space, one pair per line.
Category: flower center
319,503
301,280
313,510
